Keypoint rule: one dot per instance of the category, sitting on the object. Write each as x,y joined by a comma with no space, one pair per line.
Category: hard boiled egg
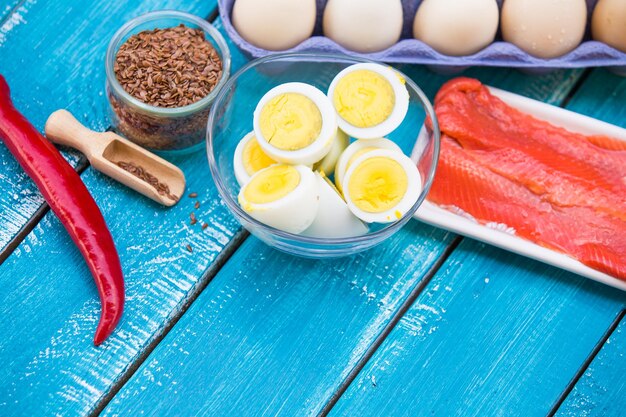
544,28
355,150
371,100
274,24
608,23
327,164
456,27
334,219
381,186
282,196
363,26
249,159
295,123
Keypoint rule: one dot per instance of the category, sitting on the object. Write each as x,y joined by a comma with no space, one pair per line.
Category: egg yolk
253,157
290,121
272,184
351,160
364,98
378,184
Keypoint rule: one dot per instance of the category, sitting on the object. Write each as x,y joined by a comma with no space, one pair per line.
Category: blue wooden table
426,324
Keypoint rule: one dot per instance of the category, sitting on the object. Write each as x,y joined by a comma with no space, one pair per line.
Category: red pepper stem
72,203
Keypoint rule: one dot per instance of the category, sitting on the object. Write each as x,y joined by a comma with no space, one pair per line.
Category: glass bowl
231,119
160,128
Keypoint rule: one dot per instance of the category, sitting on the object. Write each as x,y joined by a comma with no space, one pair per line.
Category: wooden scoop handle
62,128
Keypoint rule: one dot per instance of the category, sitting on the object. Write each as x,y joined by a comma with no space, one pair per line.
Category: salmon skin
556,188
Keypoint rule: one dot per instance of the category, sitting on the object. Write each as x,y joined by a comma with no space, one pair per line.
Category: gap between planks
11,12
583,368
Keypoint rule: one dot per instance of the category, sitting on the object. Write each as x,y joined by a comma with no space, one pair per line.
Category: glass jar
162,128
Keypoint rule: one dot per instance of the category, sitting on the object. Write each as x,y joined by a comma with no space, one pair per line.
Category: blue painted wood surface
49,305
492,334
602,388
512,337
274,335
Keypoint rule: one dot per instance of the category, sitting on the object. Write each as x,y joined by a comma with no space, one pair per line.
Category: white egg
381,186
295,123
249,158
285,197
608,23
358,148
327,164
371,100
456,27
363,26
334,219
544,28
274,24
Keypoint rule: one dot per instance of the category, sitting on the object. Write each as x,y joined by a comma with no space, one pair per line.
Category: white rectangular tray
432,214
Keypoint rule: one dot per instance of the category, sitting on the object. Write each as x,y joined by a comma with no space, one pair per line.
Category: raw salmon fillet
559,189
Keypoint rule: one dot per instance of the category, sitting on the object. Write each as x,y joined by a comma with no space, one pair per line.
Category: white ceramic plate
432,214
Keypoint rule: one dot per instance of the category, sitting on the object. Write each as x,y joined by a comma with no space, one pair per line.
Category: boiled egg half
249,159
285,197
381,186
355,150
371,100
295,123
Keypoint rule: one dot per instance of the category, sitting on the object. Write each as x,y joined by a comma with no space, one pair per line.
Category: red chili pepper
70,200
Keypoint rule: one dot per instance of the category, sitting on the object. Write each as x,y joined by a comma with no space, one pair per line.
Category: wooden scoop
154,177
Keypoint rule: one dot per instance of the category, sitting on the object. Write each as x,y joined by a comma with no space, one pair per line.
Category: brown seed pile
139,172
170,67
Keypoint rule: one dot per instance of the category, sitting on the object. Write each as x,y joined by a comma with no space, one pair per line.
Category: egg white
414,188
292,213
354,147
241,174
397,115
334,219
322,144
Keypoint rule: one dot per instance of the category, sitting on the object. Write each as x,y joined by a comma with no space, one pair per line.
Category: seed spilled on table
139,172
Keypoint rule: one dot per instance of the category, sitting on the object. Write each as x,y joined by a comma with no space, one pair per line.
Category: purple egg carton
412,51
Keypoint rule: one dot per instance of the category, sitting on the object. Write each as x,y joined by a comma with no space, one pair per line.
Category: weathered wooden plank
50,306
276,335
53,57
493,334
602,389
